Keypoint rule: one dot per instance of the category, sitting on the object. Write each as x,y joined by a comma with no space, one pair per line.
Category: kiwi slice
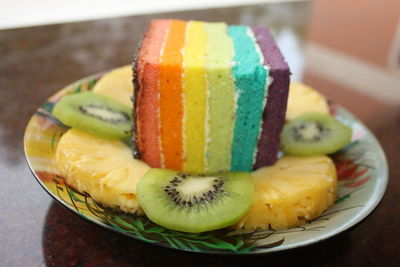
192,202
95,114
314,134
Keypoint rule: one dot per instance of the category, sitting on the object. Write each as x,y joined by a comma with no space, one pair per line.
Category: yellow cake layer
194,88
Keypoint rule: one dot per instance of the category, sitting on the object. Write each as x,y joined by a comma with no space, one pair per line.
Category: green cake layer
221,98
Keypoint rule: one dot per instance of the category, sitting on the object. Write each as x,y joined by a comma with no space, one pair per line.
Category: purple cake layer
274,113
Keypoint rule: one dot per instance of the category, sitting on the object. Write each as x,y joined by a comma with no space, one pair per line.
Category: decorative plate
362,180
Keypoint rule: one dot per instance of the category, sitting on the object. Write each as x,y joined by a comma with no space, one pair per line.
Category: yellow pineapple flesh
117,84
291,192
103,168
303,99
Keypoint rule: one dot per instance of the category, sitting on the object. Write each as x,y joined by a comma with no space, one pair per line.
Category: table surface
35,230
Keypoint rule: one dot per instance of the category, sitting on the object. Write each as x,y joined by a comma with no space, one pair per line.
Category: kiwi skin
222,211
332,136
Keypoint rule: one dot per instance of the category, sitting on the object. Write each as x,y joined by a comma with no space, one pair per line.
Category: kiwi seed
201,198
104,113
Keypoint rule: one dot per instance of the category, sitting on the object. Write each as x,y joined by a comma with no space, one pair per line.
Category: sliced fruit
314,134
195,203
293,191
117,84
303,99
103,168
95,114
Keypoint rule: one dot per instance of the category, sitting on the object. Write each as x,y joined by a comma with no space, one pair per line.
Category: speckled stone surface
36,231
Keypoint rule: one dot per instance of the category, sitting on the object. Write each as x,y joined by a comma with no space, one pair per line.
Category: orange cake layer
147,75
171,107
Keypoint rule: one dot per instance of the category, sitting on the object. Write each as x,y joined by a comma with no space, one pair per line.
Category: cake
208,97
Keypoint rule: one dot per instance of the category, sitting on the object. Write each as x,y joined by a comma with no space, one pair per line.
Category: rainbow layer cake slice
209,97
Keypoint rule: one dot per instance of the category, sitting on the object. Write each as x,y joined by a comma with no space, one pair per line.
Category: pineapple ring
303,99
103,168
291,192
117,84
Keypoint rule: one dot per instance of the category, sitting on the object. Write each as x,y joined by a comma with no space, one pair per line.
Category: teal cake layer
250,82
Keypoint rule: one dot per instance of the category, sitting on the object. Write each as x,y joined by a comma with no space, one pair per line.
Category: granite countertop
35,230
